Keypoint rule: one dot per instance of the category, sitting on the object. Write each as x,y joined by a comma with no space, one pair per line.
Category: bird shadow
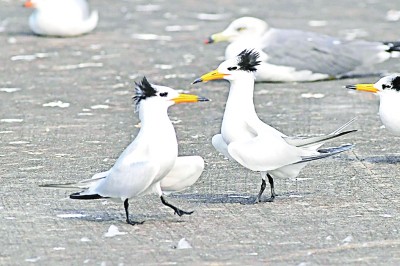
107,218
232,198
20,33
387,159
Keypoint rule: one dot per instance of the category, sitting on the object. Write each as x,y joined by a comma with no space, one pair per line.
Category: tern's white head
241,29
161,96
385,86
388,88
239,68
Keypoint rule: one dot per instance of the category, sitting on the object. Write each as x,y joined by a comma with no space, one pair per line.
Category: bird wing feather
256,154
319,140
316,52
126,181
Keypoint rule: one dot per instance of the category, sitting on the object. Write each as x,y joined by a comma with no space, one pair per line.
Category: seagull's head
240,29
241,67
386,85
161,95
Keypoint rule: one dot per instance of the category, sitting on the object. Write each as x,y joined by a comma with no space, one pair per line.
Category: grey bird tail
327,152
393,46
84,184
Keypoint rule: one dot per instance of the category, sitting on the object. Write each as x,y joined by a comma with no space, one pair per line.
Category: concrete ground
340,211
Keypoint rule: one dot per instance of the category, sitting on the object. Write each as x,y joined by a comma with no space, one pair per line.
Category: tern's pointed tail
327,152
84,184
319,140
393,46
82,196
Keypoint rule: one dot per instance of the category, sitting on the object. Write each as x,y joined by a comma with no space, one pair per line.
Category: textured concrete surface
342,210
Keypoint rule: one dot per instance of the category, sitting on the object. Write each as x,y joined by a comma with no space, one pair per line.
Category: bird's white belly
389,113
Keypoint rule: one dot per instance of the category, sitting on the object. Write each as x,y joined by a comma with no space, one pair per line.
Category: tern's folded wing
126,181
263,153
186,171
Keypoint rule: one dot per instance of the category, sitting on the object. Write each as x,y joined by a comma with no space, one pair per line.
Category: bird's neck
155,122
239,111
240,100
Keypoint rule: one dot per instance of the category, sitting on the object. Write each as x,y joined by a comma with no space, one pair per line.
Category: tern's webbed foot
129,221
182,212
250,201
176,210
257,200
270,199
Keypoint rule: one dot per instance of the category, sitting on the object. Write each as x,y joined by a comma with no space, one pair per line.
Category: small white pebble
183,244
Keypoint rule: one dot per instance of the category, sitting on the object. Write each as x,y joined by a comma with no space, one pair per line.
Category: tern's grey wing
318,53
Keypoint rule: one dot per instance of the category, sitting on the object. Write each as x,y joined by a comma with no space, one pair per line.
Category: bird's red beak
29,4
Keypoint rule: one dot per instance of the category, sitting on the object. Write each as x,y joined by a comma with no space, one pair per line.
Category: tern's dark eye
240,28
232,68
385,86
164,94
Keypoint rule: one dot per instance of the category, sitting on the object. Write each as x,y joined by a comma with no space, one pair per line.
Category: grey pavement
340,211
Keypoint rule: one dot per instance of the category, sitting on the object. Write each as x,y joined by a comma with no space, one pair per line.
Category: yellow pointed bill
189,98
363,87
213,75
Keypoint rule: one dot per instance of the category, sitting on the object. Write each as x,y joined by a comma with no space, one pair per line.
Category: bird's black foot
182,212
270,199
257,200
251,201
129,221
176,210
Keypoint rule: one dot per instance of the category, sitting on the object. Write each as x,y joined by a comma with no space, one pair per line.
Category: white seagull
289,55
388,89
150,164
61,18
249,141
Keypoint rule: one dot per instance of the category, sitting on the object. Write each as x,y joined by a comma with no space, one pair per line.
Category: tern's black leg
129,221
177,211
263,186
271,183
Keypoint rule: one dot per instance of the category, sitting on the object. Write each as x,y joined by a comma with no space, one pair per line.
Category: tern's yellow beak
189,98
363,87
213,75
217,37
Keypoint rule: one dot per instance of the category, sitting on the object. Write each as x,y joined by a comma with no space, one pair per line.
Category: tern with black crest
388,89
150,164
254,144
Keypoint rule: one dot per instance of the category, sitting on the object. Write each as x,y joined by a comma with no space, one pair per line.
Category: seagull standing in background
61,18
150,163
388,89
288,55
249,141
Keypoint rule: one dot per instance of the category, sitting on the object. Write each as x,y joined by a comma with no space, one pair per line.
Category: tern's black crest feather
396,83
248,60
143,90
